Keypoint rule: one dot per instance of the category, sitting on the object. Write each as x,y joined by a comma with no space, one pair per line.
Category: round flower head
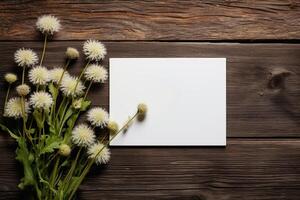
25,57
112,127
83,135
48,24
77,103
72,53
70,87
96,73
10,78
13,108
56,74
39,75
142,109
99,152
94,50
23,90
41,100
97,117
64,150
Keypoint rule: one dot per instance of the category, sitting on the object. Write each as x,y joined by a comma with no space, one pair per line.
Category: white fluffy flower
39,75
72,53
57,73
83,135
13,108
23,90
25,57
100,152
10,78
48,24
94,50
96,73
41,100
98,117
70,87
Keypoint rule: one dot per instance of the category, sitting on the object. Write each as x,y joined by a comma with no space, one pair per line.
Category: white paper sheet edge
124,76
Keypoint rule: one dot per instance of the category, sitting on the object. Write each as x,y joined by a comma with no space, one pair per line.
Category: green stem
65,69
90,163
81,74
61,105
54,173
87,90
63,121
70,172
58,84
44,50
23,75
6,97
23,114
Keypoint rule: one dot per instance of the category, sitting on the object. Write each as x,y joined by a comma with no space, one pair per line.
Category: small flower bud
72,53
10,78
23,90
142,109
64,150
77,103
112,127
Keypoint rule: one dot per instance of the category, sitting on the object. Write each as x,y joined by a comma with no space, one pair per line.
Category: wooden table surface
259,38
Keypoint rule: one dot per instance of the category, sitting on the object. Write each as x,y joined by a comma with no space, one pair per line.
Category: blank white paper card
186,99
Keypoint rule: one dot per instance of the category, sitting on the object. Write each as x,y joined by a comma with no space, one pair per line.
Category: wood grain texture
262,157
156,20
253,109
266,169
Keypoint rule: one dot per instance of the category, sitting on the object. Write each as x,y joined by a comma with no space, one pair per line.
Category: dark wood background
262,156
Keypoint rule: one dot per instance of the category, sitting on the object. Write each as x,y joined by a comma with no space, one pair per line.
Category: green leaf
38,116
68,114
25,157
70,123
65,163
31,131
85,105
51,143
4,128
53,90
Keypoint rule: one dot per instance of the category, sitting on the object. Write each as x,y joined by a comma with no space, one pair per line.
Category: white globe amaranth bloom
83,135
39,75
96,73
64,150
70,87
113,127
94,50
10,78
26,57
72,53
13,108
100,153
57,74
41,100
23,89
98,117
48,24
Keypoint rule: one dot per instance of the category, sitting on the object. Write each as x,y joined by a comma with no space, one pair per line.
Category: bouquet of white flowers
56,154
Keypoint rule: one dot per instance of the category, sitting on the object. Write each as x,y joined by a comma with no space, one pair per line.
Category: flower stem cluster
57,153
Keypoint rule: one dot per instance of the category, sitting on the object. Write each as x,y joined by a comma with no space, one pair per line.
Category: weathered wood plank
245,169
156,20
254,110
